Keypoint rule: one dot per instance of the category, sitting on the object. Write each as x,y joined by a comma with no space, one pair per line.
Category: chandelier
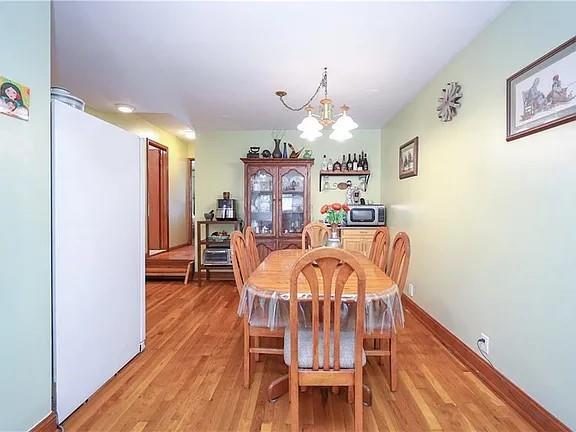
312,125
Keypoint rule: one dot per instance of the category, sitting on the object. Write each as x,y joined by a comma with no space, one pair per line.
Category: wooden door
265,247
358,240
290,244
261,193
157,185
293,202
353,244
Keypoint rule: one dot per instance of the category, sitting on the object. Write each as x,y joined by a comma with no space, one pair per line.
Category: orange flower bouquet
335,212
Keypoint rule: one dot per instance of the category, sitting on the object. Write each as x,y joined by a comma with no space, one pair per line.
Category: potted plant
334,215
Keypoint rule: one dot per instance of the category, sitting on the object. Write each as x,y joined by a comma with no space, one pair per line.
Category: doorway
191,199
157,181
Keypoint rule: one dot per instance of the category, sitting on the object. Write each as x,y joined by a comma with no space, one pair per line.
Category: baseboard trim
48,424
179,246
531,410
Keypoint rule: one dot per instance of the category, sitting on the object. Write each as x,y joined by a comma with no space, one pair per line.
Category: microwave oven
217,257
366,215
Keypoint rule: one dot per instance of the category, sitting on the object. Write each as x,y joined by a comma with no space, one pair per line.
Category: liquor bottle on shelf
349,163
324,163
330,165
337,166
355,163
343,166
361,162
365,163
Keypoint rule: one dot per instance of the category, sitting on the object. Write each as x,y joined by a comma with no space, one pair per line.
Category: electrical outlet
411,290
486,344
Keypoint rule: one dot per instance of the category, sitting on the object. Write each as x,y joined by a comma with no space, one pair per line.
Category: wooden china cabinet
277,201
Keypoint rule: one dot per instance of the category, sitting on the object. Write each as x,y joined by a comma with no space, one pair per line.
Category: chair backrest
399,260
326,270
240,260
314,235
250,239
379,248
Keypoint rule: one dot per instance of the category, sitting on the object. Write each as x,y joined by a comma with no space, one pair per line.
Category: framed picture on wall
408,159
14,99
543,94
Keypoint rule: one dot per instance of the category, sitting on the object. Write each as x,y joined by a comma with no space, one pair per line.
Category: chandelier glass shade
312,125
344,122
340,135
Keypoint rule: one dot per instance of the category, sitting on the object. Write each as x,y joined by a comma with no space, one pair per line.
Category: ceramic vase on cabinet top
277,153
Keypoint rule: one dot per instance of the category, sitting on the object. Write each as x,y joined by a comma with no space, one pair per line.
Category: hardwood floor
189,378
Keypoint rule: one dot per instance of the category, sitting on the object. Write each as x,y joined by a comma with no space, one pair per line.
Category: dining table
266,294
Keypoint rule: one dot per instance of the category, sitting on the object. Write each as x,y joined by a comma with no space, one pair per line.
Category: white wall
220,169
25,335
492,224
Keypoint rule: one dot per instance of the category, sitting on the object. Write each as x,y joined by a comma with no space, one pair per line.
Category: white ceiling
216,65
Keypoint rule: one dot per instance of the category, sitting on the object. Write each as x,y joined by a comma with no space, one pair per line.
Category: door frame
164,197
189,204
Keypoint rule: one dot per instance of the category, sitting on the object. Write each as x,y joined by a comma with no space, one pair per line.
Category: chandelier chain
323,84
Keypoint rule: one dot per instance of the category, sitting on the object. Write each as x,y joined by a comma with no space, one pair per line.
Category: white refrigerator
98,226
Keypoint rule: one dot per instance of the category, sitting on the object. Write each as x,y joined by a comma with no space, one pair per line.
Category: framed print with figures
543,94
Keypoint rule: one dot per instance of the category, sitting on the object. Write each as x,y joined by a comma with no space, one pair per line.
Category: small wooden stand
203,230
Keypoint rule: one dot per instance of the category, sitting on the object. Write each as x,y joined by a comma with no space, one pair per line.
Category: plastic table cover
268,308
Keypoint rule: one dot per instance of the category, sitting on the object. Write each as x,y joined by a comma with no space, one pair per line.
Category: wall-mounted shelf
359,174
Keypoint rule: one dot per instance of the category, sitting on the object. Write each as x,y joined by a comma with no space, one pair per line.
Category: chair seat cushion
305,355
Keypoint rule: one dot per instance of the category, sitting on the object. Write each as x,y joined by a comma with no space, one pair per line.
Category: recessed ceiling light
189,134
125,108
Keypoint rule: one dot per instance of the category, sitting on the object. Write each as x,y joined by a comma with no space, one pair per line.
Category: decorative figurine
294,154
253,152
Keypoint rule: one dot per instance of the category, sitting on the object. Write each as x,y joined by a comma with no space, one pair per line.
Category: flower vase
277,153
334,237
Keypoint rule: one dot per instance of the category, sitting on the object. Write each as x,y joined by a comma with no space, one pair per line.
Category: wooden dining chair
250,239
379,248
325,355
240,261
242,270
399,260
397,271
314,235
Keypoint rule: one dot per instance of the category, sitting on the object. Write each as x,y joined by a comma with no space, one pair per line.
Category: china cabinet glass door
292,201
261,186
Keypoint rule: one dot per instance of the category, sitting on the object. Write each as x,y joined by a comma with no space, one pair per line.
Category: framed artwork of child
14,99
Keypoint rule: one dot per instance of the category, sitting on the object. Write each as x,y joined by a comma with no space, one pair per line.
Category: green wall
492,223
25,322
220,169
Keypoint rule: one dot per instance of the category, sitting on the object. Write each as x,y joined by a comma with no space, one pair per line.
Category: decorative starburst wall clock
449,101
